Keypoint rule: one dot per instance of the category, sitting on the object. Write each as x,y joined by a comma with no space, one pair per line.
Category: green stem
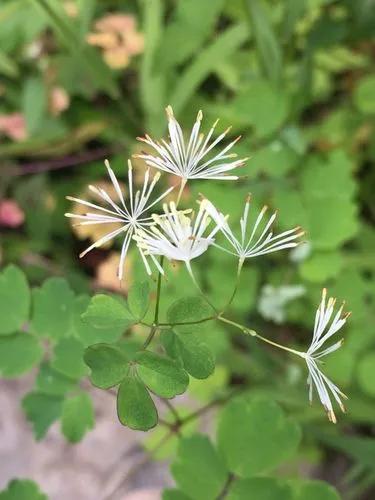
150,337
158,288
253,333
215,402
173,410
203,320
154,326
224,492
190,271
239,269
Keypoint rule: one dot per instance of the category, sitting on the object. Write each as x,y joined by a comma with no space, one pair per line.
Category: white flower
129,214
176,236
274,300
261,239
322,333
188,159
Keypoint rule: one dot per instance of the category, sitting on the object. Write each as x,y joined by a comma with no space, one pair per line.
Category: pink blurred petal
11,215
13,126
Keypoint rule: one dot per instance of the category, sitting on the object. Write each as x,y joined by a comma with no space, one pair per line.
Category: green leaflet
108,365
188,310
105,311
162,375
138,299
135,407
85,331
195,356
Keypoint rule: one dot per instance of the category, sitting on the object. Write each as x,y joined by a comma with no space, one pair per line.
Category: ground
104,458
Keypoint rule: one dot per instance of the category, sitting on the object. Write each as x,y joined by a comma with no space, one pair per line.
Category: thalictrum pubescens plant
182,235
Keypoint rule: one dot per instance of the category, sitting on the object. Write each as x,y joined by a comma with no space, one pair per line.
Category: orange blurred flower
59,100
118,38
106,274
71,8
94,232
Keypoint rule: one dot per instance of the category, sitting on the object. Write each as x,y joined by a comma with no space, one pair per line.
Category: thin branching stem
173,410
253,333
239,269
195,281
154,326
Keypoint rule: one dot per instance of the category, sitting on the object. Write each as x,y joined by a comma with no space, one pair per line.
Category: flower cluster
188,160
130,215
176,234
323,331
184,235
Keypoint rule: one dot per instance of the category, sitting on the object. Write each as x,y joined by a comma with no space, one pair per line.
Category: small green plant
218,329
90,336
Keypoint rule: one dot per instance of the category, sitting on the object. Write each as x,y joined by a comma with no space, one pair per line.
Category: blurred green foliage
296,79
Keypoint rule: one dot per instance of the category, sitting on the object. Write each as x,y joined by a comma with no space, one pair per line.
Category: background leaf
223,47
51,382
18,354
52,308
256,425
22,489
366,369
198,469
14,299
269,50
34,103
68,358
191,17
364,95
42,411
77,417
